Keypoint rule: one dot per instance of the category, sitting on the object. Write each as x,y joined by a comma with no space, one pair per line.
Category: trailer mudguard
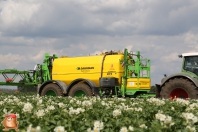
194,80
90,83
61,84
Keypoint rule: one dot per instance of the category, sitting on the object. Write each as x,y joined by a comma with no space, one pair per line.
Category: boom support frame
40,74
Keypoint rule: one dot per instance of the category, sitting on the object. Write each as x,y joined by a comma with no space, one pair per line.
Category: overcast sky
159,29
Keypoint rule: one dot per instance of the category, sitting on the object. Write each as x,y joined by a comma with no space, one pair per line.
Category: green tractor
181,85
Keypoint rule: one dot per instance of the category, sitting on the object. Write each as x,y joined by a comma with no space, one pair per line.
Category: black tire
52,88
82,88
179,88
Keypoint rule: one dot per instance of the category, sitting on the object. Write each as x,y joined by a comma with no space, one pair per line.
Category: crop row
87,114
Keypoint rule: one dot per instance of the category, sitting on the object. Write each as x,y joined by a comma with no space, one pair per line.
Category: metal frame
40,74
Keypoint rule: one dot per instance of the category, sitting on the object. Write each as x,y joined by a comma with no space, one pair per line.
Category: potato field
94,114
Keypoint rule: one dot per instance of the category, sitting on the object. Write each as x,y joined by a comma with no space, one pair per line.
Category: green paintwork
133,91
30,77
133,64
51,93
79,93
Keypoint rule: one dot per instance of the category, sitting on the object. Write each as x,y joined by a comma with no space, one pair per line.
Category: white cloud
10,61
170,57
115,3
99,52
15,13
79,47
129,48
121,25
191,39
38,56
160,30
110,17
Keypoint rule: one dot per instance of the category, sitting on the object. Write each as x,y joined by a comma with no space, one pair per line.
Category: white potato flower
27,107
61,105
20,103
78,102
138,109
160,116
77,111
9,100
164,119
143,126
98,125
168,120
156,101
121,99
192,129
40,113
59,129
89,130
116,113
131,128
190,118
51,107
71,101
103,103
110,102
87,103
38,128
39,102
181,101
16,100
172,108
31,129
1,102
124,129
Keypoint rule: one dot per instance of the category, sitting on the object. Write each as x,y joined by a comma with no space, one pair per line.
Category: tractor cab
190,63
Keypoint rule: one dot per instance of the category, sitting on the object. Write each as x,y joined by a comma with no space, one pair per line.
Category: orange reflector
8,79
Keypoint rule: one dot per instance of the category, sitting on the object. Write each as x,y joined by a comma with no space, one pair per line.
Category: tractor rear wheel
51,90
179,88
80,90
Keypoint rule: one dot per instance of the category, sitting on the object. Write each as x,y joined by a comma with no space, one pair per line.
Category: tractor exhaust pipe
157,90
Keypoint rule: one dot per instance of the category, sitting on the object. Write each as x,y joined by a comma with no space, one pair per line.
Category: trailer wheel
51,90
80,90
179,88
